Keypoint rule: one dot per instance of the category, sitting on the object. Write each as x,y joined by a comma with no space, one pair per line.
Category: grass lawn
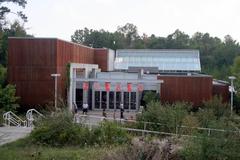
19,150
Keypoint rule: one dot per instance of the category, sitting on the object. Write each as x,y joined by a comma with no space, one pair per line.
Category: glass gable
165,60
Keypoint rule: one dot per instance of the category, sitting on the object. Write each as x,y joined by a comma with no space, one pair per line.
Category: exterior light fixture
55,89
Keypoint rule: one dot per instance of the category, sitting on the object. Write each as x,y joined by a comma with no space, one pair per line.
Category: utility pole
232,90
55,88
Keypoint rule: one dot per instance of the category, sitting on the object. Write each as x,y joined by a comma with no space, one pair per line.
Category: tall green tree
130,33
8,100
15,30
4,10
3,75
216,55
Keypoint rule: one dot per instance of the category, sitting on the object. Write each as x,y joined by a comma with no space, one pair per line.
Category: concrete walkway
10,134
110,114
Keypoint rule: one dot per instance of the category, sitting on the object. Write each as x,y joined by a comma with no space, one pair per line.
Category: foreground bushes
170,116
219,148
59,130
205,145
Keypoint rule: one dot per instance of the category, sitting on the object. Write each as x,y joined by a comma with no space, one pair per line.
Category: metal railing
30,117
11,119
147,127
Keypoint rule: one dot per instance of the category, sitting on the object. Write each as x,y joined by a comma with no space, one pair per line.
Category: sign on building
107,86
85,86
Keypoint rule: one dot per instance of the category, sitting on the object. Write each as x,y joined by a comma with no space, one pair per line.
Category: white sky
60,18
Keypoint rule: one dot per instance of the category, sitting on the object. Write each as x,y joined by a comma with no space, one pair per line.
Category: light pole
232,90
55,88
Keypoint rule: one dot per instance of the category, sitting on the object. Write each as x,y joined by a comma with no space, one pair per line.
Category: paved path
10,134
110,114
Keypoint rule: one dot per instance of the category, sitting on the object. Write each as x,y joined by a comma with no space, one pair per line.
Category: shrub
170,116
59,130
8,98
205,117
191,122
109,133
150,96
219,108
211,148
3,75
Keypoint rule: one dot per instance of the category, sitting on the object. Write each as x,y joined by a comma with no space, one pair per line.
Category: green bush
204,148
219,108
8,99
150,96
109,133
3,75
170,116
59,130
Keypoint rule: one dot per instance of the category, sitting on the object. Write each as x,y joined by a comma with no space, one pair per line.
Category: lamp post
232,90
55,88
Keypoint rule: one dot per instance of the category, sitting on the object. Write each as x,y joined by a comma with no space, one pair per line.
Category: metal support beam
107,100
119,80
93,98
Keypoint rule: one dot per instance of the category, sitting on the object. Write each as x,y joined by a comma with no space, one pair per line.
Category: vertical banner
107,86
118,87
85,86
129,87
96,86
140,87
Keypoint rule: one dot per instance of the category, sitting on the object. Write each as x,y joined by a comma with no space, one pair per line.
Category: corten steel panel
30,63
190,89
101,58
223,91
74,53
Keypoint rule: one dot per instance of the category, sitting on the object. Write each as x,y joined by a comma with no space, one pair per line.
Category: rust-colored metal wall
74,53
30,63
221,90
193,89
101,58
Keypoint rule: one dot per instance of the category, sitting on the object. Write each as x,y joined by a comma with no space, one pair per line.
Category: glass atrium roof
164,59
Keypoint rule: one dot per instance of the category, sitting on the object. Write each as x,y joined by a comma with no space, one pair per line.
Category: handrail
12,118
145,124
30,118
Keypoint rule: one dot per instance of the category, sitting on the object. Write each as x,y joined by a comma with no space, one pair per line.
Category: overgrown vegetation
8,100
219,148
150,96
206,144
59,130
24,150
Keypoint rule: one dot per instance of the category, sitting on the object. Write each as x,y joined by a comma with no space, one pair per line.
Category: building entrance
111,100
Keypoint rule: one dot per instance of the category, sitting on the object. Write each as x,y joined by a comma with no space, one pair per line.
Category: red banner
85,86
140,87
107,86
96,86
118,87
129,87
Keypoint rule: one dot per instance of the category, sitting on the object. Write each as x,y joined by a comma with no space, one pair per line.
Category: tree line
216,55
219,58
8,101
